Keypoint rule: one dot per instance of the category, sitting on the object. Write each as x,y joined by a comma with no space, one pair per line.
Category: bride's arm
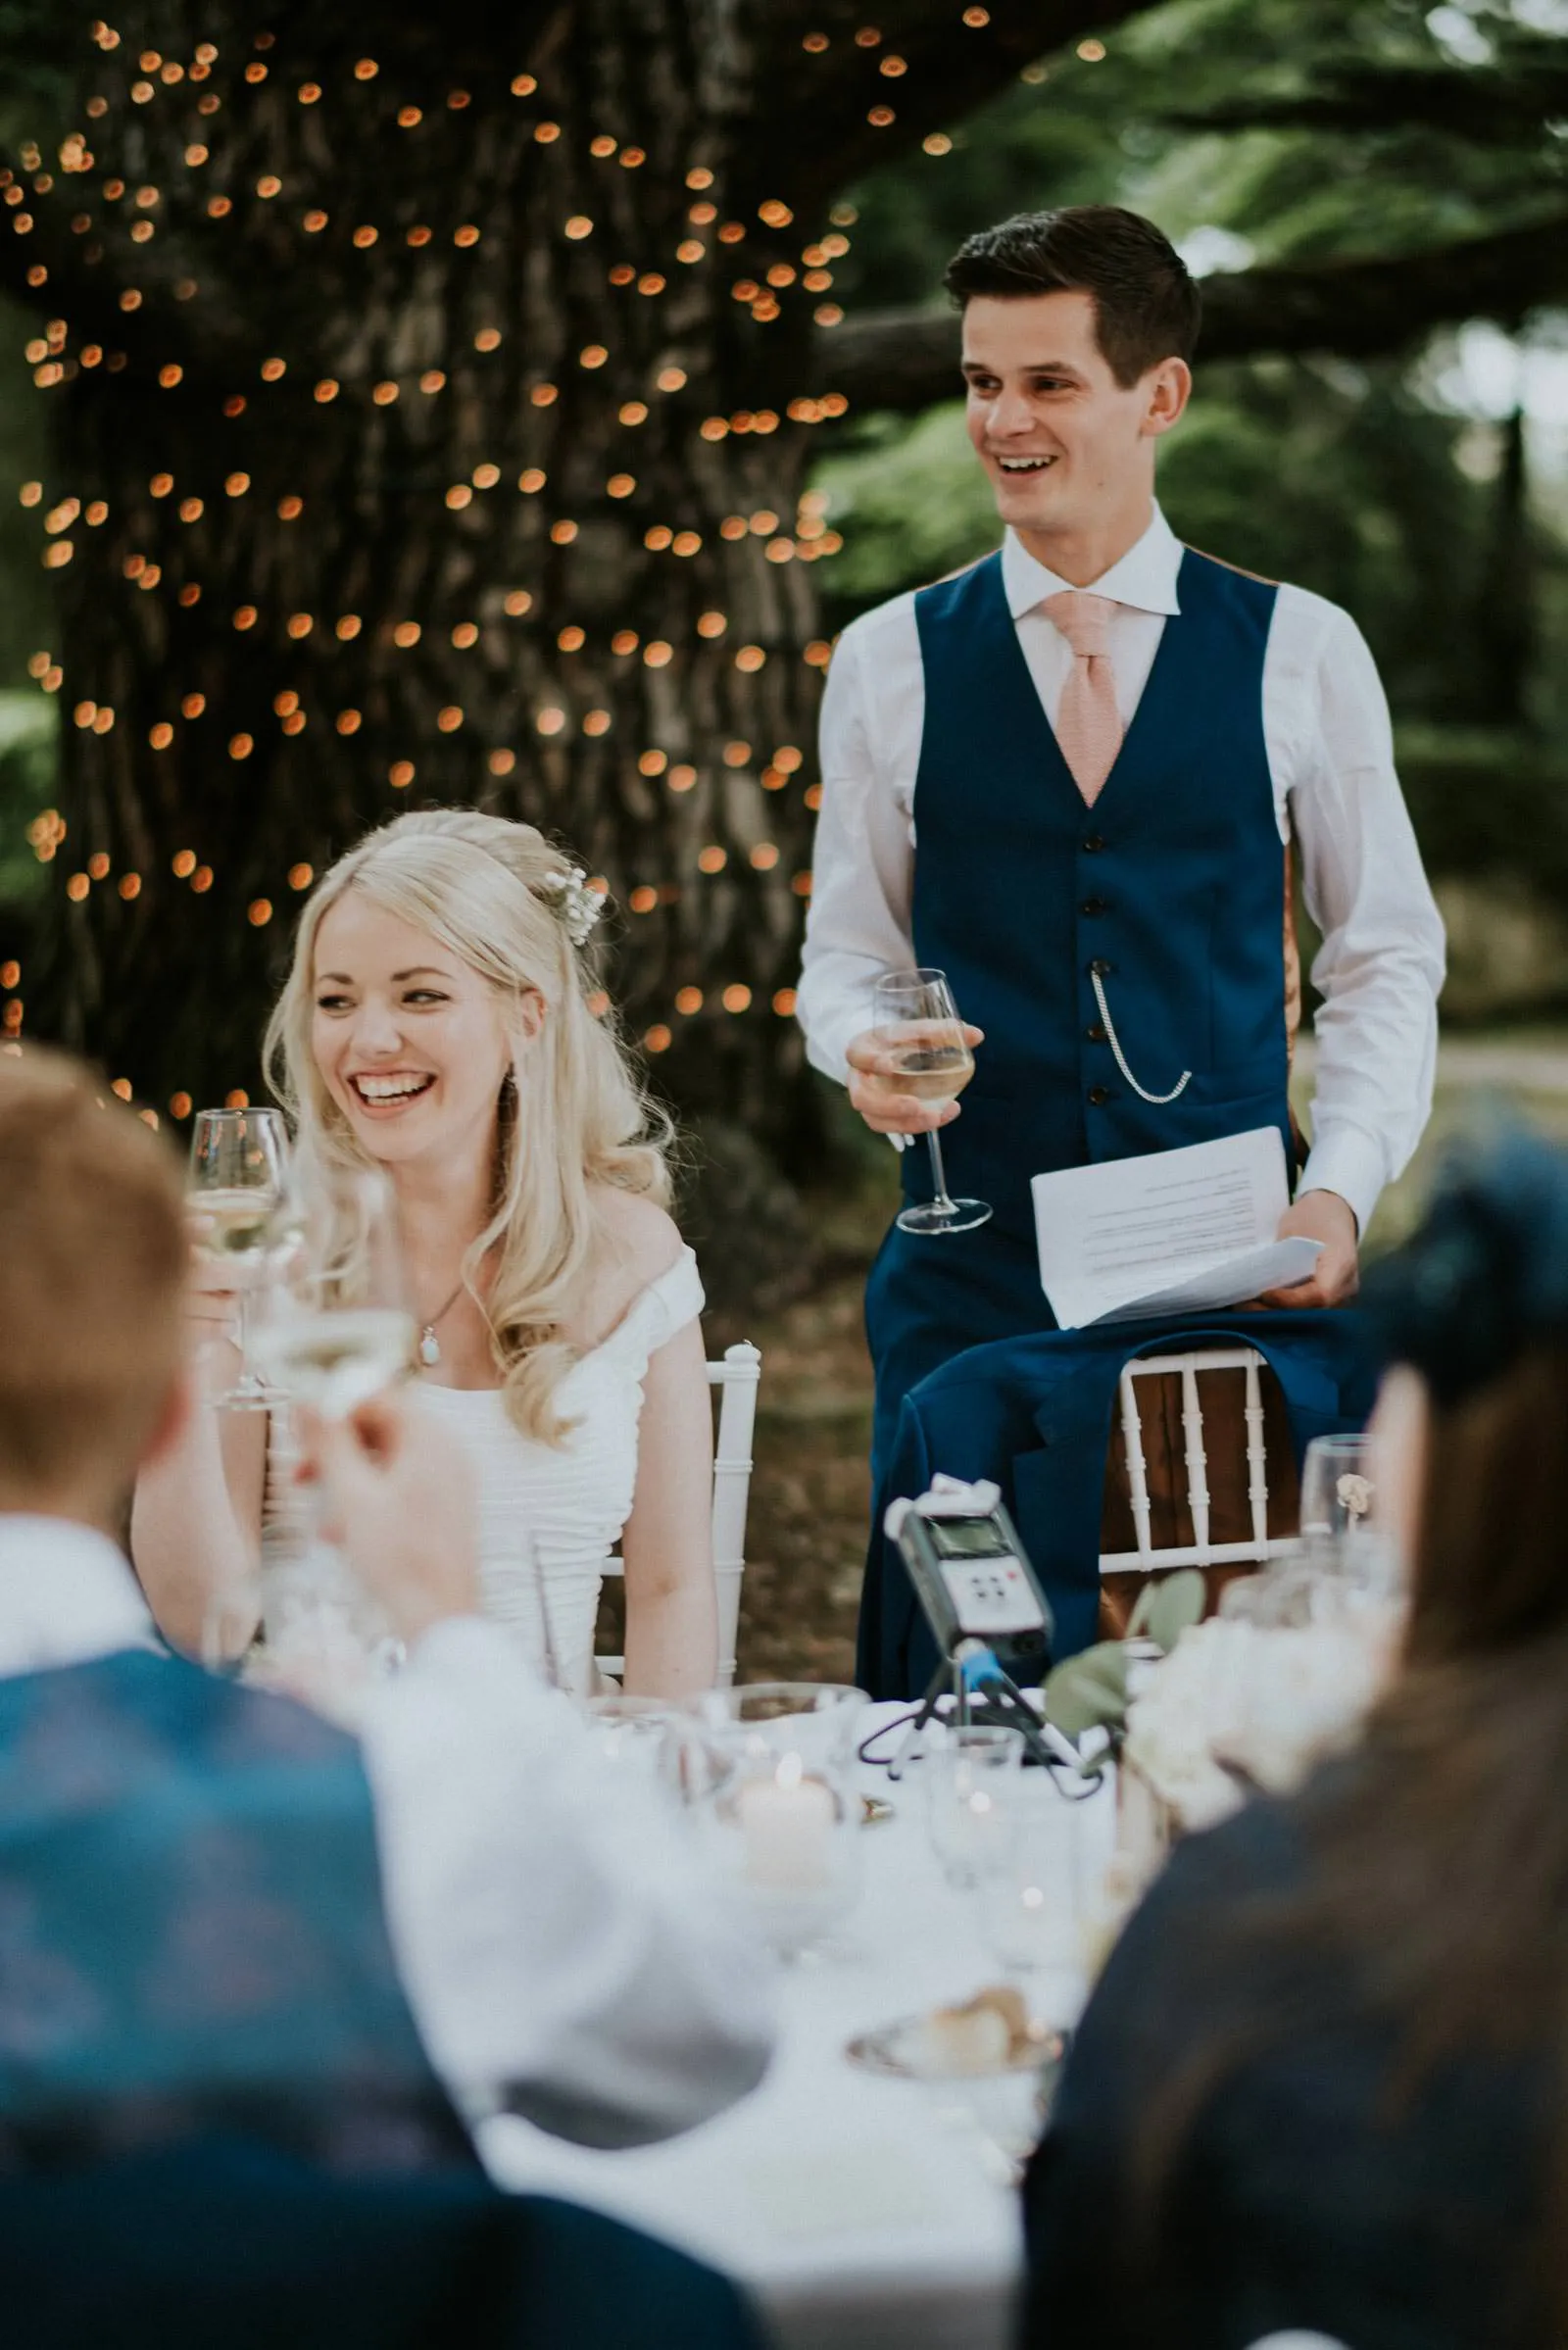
672,1612
196,1517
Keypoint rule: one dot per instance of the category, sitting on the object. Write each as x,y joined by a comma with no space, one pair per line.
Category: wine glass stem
938,1173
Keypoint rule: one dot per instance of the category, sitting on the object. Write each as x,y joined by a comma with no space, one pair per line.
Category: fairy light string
502,673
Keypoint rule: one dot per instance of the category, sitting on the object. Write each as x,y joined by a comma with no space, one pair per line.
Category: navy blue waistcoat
1174,883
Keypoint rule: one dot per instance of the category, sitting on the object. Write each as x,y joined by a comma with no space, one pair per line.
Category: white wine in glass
340,1327
238,1167
338,1359
923,1050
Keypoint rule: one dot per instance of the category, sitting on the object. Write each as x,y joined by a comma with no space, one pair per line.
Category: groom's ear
1167,389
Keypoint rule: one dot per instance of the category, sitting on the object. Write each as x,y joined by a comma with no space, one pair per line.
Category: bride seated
435,1023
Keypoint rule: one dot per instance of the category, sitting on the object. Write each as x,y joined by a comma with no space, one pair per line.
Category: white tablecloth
864,2214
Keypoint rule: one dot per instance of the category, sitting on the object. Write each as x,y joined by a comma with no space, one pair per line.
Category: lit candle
786,1823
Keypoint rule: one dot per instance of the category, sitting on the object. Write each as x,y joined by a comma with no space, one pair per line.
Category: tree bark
414,445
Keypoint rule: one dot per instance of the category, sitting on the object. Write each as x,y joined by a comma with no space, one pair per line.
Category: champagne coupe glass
339,1326
920,1040
238,1166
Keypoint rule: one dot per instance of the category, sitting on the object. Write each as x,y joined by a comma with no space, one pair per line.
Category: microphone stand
982,1692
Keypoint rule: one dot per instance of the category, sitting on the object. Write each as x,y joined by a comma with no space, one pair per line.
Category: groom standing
1074,778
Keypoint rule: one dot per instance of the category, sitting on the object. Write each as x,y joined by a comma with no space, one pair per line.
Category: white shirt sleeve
560,1944
1380,964
863,866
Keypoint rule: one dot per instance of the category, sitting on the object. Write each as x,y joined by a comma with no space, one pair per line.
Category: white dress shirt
553,1931
1331,756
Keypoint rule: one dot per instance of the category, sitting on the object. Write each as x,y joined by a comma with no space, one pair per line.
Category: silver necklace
429,1344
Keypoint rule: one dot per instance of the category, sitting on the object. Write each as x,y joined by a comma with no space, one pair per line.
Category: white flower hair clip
579,906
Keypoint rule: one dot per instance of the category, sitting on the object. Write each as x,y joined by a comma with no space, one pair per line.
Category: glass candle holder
780,1808
645,1737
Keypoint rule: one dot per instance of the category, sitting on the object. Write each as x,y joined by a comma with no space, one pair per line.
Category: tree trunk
419,439
1505,607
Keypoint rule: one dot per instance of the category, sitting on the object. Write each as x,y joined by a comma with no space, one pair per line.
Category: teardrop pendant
429,1347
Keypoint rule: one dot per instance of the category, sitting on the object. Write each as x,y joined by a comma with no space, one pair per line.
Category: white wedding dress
548,1516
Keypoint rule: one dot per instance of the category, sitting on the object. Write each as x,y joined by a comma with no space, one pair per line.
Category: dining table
860,2211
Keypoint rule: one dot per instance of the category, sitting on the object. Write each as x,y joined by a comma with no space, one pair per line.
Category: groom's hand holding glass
883,1100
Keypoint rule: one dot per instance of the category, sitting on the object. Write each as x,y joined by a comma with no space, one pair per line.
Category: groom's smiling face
1062,441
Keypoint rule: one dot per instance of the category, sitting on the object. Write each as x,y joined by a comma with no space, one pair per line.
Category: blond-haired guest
435,1023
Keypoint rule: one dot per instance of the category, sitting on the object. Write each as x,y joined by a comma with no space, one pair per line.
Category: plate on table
955,2044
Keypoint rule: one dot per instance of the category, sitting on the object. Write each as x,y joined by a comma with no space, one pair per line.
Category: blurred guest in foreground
190,1895
1322,2082
437,1024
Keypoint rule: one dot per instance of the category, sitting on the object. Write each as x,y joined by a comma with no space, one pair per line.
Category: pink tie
1087,722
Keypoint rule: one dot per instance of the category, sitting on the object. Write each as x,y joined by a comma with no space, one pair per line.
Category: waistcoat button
1098,1094
1094,843
1096,1032
1092,906
1101,968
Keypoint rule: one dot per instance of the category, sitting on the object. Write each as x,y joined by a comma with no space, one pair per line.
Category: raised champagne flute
339,1327
923,1051
238,1169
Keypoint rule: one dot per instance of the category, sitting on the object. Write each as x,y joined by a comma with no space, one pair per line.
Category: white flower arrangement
579,906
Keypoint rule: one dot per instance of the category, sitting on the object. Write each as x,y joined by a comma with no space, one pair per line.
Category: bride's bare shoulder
640,1241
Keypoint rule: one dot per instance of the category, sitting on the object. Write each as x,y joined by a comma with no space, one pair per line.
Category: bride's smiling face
408,1041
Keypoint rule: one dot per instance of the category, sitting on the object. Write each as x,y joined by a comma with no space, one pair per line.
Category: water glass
972,1780
1342,1530
1032,1901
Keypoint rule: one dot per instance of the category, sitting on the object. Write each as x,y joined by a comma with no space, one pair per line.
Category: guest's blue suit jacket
1034,1414
191,1933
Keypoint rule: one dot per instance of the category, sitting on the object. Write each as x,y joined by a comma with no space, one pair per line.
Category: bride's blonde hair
571,1114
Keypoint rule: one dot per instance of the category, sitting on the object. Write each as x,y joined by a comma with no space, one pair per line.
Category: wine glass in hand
924,1051
238,1165
339,1328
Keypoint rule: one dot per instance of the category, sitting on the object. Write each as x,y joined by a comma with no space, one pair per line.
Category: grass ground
809,1491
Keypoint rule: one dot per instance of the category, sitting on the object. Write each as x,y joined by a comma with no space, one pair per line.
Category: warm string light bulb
778,547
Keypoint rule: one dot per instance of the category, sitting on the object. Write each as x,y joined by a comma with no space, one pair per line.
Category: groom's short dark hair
1147,306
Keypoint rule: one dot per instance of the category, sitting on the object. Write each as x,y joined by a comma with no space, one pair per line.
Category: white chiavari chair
736,1379
1149,1556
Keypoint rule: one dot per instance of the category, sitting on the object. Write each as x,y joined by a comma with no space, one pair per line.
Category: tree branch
815,135
1485,108
1364,307
908,360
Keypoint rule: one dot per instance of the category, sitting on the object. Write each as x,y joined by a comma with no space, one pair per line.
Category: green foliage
1089,1689
1167,1608
29,726
1342,127
912,503
1284,132
1334,477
